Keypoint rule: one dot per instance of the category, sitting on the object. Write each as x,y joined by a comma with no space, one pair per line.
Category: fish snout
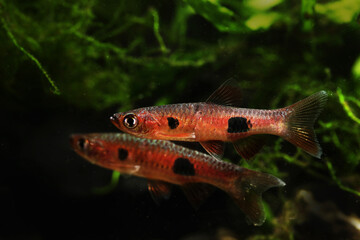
72,141
77,142
115,119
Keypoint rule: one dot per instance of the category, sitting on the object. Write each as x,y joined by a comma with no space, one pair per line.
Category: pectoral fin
178,136
214,148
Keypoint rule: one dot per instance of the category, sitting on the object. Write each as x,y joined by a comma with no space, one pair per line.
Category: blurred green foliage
126,54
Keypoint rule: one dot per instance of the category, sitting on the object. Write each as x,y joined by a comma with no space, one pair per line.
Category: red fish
163,162
218,120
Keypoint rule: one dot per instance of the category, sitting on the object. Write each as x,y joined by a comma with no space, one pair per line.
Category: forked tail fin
247,191
300,123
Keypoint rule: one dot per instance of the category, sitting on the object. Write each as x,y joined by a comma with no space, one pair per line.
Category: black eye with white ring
130,120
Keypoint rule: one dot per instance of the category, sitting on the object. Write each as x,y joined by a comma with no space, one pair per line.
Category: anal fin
196,193
159,190
249,146
214,148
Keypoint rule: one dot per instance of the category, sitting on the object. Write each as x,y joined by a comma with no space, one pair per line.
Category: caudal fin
247,193
300,123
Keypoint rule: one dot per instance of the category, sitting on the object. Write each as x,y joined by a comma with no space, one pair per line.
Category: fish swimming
219,120
164,163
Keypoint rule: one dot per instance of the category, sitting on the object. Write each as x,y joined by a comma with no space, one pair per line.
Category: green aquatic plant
110,187
341,11
29,55
11,36
307,14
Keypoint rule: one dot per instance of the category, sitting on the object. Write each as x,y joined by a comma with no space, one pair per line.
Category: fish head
90,147
108,150
138,122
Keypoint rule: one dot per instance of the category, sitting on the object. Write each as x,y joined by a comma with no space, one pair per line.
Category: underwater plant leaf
307,12
356,69
342,11
261,5
224,19
179,26
262,20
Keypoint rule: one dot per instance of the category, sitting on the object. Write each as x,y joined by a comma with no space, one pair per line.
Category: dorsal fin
159,190
214,148
228,94
196,193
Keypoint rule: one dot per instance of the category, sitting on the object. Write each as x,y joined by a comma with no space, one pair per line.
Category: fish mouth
114,119
73,140
74,143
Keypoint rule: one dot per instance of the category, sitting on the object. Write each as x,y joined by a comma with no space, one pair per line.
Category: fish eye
130,120
81,143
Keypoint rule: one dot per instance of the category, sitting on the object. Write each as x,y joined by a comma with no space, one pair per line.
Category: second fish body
163,162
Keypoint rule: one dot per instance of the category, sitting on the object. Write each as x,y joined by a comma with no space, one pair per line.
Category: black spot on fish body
249,124
183,166
122,154
238,124
173,122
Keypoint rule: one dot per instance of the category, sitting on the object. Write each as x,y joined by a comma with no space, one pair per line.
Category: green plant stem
338,182
346,106
55,89
157,31
111,186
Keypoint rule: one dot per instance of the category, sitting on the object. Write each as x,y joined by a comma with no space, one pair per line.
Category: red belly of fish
157,164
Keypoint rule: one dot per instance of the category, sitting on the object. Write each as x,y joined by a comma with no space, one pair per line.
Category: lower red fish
163,162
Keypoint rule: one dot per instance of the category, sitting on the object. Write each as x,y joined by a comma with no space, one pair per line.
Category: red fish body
163,162
205,121
212,124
